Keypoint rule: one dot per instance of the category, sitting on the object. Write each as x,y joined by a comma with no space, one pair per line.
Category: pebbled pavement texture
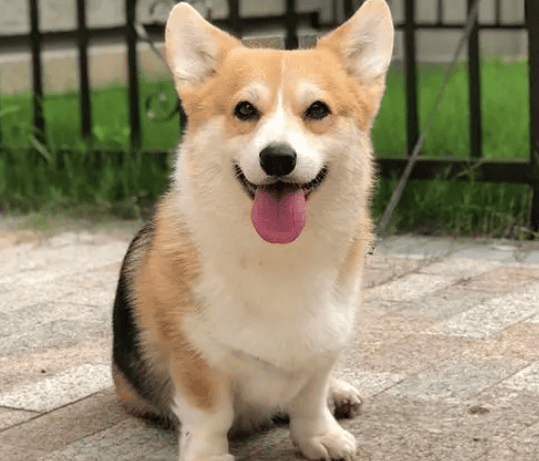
446,354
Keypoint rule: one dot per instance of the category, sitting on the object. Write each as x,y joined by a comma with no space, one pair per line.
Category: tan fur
130,398
219,322
163,293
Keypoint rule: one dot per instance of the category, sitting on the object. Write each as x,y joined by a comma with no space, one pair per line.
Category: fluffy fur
214,327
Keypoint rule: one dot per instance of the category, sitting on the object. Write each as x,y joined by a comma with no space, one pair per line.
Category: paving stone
63,426
130,439
531,258
518,341
409,288
63,239
522,447
460,268
367,383
10,238
53,334
534,319
430,393
79,258
31,317
413,353
19,453
12,299
508,411
494,315
381,345
503,279
102,298
383,268
272,445
10,417
58,390
134,439
526,379
505,255
422,247
398,428
38,364
89,287
444,304
453,382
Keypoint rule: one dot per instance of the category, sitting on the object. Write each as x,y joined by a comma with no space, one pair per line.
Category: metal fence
514,171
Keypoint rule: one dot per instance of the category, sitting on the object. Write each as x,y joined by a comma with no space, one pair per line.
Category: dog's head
281,137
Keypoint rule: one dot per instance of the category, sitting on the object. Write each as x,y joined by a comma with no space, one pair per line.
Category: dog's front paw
343,399
337,444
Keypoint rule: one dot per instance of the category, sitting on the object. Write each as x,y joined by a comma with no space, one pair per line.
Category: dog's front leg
203,404
313,428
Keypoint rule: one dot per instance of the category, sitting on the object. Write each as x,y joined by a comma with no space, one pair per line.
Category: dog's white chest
290,327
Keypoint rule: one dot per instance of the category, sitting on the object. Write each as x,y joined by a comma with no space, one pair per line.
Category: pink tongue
279,221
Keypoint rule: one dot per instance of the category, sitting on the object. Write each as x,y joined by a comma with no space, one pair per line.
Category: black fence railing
514,171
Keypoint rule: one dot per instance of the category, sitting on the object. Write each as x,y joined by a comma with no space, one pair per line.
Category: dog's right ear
194,47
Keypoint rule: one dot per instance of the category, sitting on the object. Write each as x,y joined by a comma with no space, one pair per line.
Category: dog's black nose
278,159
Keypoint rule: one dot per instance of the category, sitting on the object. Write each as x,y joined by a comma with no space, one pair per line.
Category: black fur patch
126,348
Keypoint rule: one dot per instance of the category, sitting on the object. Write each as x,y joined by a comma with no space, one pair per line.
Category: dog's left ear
364,42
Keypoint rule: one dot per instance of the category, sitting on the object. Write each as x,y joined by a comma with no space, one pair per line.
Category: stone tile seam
48,412
45,380
62,276
433,367
60,302
508,377
504,443
404,274
396,383
490,336
7,407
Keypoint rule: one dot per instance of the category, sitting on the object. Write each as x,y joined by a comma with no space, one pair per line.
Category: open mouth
279,211
281,188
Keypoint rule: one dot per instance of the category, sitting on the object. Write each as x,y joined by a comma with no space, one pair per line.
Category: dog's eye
245,111
317,111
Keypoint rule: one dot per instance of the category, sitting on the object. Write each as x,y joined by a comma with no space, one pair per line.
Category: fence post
412,123
0,112
474,89
234,17
84,83
37,79
291,40
132,72
532,20
348,9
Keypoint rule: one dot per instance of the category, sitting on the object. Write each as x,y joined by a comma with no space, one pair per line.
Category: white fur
280,127
271,318
313,428
369,45
203,434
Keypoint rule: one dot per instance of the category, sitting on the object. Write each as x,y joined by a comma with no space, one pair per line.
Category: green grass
504,112
62,181
110,118
51,179
457,208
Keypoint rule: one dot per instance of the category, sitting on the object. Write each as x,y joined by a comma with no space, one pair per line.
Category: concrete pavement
446,354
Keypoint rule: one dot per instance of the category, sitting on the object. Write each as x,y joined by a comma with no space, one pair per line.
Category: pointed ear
194,47
365,42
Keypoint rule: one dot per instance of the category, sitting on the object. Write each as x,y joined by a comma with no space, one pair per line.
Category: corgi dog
236,299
